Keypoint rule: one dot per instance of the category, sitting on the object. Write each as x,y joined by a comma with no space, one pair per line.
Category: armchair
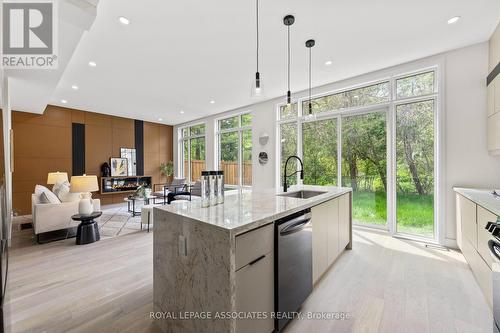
177,185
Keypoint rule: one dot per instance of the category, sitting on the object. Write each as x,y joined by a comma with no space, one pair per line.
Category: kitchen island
214,265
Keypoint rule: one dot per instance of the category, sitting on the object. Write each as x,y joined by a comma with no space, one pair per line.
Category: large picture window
379,140
234,149
192,148
319,149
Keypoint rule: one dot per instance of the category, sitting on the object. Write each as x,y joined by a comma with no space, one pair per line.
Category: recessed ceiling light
92,64
74,87
159,119
181,111
212,102
453,19
64,101
123,20
328,63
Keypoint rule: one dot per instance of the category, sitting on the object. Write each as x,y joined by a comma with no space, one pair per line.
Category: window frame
240,129
390,108
180,145
345,90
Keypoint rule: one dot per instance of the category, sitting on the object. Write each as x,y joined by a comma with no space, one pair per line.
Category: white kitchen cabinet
473,241
319,222
255,278
458,219
344,221
255,293
467,223
496,90
482,272
332,227
491,98
331,233
493,125
483,236
251,245
493,128
493,91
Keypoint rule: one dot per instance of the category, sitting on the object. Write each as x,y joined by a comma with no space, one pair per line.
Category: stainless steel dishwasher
293,265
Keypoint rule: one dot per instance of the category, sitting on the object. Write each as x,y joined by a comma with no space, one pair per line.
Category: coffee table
88,229
131,202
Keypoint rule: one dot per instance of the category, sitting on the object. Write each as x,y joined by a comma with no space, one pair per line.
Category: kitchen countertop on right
483,197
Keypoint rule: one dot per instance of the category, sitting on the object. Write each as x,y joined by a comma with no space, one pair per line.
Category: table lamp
84,185
54,177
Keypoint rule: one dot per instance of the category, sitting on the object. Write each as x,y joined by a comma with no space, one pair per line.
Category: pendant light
288,21
309,44
257,89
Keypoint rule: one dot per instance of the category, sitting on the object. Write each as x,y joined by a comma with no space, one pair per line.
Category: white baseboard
451,243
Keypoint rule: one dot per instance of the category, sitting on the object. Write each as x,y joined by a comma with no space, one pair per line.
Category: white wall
465,160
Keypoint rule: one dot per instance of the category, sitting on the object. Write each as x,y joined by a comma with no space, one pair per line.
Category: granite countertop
483,197
244,210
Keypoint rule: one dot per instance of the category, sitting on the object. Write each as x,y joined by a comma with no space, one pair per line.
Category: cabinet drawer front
255,293
483,217
253,244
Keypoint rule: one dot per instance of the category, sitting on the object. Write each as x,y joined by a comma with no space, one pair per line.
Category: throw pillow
39,189
59,185
66,196
61,188
46,195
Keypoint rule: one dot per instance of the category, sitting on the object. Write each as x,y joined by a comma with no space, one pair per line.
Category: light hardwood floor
384,284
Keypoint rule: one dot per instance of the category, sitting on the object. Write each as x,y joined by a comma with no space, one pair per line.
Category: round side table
88,229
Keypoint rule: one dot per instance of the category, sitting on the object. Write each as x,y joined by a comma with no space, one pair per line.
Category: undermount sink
301,194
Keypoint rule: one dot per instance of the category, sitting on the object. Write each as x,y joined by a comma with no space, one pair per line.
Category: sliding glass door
364,166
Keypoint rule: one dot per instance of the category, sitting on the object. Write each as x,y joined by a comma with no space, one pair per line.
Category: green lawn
415,214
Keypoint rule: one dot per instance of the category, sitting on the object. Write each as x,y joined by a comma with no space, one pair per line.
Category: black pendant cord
288,21
310,79
309,44
288,69
257,19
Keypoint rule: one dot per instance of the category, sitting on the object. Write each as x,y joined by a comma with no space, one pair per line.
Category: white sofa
50,217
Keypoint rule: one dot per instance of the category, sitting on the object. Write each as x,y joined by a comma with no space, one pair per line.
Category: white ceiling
31,90
179,55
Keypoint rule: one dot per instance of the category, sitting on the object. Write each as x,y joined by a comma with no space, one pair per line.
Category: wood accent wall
42,143
158,149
